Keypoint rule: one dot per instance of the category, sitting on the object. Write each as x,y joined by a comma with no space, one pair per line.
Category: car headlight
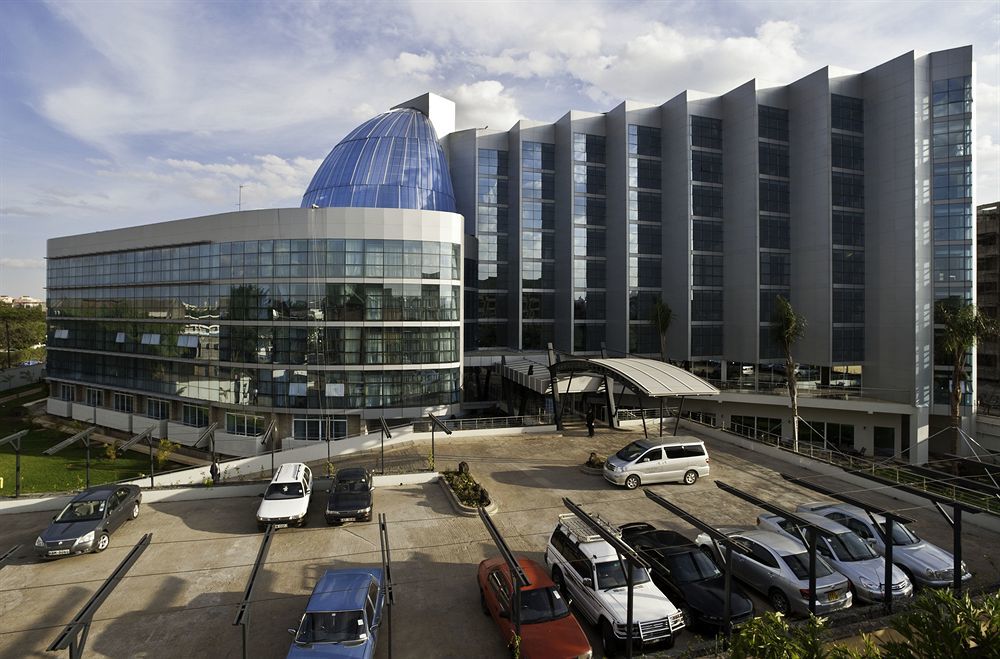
39,542
964,569
619,469
85,539
365,511
586,655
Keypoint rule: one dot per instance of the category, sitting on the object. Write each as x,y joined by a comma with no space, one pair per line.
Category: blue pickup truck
343,616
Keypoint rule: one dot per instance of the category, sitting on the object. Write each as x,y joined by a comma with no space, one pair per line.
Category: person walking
590,422
214,470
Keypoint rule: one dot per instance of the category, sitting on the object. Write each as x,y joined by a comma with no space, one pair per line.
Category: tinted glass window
630,452
799,564
611,575
541,605
654,454
691,566
284,491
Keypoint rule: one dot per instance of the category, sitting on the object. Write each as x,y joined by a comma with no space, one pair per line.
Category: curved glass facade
315,324
393,160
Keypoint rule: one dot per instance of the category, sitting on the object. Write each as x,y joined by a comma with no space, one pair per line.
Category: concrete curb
592,471
461,508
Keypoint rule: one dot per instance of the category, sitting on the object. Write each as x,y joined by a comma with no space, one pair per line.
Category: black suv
688,576
350,497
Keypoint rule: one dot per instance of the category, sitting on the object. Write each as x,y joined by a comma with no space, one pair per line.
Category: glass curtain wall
589,242
645,250
951,195
706,209
538,223
775,256
491,303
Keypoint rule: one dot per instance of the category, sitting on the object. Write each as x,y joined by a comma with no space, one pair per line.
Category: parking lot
180,598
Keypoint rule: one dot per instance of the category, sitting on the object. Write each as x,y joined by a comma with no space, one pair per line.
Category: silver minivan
680,460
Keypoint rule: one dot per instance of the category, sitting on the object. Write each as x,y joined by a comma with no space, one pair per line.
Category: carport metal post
716,536
556,411
15,441
74,635
811,532
146,434
885,534
7,554
243,614
267,435
680,410
83,435
630,560
518,578
383,539
435,422
208,433
384,428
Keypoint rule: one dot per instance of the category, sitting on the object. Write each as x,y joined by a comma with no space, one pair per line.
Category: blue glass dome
393,160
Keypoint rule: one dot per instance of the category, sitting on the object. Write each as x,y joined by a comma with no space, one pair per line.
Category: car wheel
779,601
135,510
103,541
608,640
632,482
686,614
691,477
482,603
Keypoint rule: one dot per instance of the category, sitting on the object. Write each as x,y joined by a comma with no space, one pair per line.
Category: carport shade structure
646,377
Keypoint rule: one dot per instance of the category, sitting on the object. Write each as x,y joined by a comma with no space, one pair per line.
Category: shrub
465,487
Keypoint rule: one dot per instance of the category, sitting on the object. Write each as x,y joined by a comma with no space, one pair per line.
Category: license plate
280,526
347,519
832,596
59,552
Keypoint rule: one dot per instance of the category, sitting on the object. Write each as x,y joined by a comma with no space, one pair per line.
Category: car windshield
901,535
691,566
79,511
799,563
611,575
331,627
630,452
283,491
350,486
542,605
848,547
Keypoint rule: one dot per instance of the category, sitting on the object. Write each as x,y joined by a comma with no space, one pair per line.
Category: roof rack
584,533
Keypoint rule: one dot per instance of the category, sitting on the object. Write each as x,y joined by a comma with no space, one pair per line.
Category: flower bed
466,489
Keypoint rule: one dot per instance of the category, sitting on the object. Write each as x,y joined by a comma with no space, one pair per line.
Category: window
192,415
774,196
773,159
706,201
95,397
774,232
244,424
707,235
707,270
706,166
848,151
772,123
848,229
120,337
706,305
706,132
61,334
187,341
157,408
123,403
67,392
150,339
848,190
846,113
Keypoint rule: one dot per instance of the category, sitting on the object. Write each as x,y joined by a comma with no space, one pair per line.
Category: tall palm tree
963,326
661,317
788,327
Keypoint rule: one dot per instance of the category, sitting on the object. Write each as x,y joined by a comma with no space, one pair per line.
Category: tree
20,329
661,317
787,329
963,326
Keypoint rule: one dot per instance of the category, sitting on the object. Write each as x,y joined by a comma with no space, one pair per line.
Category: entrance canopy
647,377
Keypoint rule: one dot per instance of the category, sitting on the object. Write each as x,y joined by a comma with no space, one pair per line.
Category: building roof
393,160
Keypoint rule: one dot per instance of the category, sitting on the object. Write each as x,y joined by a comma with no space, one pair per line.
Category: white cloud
410,64
484,103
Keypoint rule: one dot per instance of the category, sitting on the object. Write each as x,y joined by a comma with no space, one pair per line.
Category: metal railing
625,414
806,389
490,423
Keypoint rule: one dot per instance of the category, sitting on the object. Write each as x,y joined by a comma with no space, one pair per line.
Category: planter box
461,508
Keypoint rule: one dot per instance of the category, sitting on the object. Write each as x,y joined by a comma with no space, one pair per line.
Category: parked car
655,461
587,568
778,567
87,522
925,564
847,553
688,576
548,629
286,500
343,616
350,497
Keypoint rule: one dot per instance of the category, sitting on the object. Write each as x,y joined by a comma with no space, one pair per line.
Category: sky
116,114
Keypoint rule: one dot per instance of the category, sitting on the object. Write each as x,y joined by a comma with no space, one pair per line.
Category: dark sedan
688,576
87,522
350,496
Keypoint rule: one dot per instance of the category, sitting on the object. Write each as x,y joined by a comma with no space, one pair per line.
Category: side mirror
260,496
588,582
292,631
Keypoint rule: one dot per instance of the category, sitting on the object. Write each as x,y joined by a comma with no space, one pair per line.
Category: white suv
286,500
587,568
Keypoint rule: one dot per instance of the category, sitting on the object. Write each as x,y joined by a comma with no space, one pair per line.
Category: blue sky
124,113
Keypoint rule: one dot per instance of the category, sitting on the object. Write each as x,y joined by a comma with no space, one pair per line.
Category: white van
655,461
286,500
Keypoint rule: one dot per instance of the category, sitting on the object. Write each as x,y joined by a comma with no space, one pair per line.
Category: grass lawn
64,471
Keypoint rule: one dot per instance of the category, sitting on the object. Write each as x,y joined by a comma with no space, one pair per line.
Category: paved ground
180,597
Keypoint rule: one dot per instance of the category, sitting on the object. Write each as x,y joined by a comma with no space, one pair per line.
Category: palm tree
963,326
787,329
661,317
